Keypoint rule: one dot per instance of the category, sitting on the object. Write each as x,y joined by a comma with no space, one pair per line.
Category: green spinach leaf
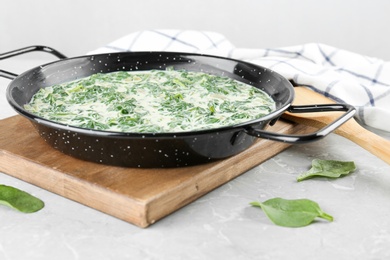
328,168
292,213
19,200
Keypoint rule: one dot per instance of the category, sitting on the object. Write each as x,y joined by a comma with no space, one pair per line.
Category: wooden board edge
124,208
154,210
215,176
138,212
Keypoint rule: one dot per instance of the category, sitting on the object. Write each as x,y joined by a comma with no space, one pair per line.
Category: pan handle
306,138
6,55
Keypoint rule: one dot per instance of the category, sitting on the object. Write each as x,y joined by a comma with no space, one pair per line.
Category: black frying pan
159,149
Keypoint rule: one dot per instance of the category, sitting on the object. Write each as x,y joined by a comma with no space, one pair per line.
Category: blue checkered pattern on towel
342,75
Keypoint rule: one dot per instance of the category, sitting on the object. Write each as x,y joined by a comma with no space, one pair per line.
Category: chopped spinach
166,101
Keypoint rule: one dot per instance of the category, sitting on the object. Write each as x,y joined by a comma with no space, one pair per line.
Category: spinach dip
151,101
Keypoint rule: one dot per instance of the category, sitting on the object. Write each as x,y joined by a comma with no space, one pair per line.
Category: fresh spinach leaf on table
328,168
19,200
292,213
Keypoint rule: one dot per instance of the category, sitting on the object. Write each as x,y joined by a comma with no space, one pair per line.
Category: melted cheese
152,101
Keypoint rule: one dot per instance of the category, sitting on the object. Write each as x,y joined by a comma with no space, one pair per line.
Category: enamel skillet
156,150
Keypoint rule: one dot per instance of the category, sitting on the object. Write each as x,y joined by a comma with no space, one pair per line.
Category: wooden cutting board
138,196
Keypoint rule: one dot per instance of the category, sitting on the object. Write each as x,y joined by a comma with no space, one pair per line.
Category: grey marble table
221,224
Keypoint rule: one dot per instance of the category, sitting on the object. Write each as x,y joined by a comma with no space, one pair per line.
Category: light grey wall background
77,26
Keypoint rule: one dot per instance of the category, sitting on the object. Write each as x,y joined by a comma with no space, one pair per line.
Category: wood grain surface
351,129
138,196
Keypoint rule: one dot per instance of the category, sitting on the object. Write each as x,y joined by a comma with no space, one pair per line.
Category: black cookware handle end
306,138
7,74
6,55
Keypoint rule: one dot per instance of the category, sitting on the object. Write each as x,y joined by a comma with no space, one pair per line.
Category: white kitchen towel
341,75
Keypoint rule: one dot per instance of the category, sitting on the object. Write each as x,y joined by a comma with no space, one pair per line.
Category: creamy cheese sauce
150,102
